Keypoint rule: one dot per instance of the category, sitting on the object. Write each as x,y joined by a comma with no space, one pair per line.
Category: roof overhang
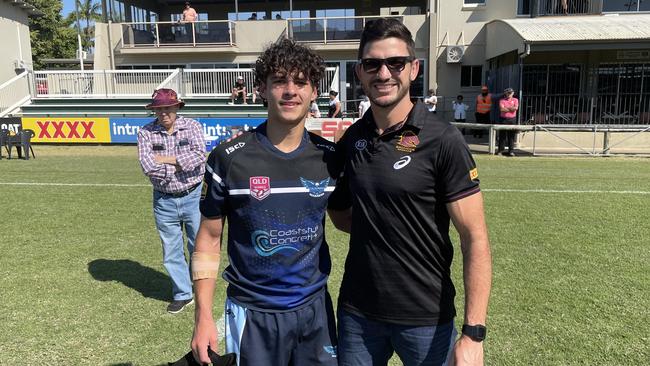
574,33
28,8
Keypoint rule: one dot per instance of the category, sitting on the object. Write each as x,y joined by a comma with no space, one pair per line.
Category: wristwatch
475,332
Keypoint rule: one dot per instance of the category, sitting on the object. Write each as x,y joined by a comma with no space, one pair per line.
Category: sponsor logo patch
402,162
234,147
260,187
269,242
316,189
407,142
331,350
473,174
361,144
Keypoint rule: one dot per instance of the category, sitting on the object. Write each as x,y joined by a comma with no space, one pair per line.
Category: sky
68,7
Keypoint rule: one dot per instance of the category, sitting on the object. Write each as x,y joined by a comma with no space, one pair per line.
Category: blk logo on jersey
361,144
316,189
402,162
260,187
407,142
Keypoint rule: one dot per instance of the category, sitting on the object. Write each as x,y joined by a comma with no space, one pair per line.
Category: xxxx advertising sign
69,130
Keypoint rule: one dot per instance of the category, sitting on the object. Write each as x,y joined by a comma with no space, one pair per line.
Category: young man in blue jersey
272,185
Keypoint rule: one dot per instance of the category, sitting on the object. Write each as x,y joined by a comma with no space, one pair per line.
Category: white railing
329,29
142,83
99,83
14,93
157,34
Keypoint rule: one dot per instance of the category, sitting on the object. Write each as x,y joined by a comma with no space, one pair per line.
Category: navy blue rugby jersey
275,206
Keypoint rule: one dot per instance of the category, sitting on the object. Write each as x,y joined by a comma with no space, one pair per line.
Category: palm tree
89,12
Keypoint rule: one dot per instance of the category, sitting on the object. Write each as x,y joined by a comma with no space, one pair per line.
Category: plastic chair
5,135
22,140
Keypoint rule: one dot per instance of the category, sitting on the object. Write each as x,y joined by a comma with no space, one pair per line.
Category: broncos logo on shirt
316,189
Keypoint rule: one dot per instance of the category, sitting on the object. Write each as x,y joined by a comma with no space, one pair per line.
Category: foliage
83,284
51,35
89,13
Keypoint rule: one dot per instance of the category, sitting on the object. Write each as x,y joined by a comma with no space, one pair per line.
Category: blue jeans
367,342
172,214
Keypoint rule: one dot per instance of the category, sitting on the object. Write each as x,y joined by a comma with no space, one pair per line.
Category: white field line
595,191
506,190
73,184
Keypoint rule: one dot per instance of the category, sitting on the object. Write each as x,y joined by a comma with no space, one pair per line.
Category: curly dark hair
288,57
382,28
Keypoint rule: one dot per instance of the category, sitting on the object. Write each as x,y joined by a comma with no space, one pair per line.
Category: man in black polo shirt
406,173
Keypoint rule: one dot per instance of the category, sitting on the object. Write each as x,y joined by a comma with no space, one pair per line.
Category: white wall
15,39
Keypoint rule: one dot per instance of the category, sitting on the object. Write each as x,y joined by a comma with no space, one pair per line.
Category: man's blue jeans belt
182,193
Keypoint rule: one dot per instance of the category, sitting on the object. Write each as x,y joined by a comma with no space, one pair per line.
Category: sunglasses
394,64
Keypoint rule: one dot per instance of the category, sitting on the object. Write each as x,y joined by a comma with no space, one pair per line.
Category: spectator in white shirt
364,106
431,101
460,109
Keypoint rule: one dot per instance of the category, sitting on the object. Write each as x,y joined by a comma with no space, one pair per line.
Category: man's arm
469,219
195,156
208,248
342,220
152,164
338,109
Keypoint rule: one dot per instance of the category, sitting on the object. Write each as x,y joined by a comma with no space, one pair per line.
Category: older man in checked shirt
171,150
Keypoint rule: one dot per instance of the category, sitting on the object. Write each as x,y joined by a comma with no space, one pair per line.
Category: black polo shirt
398,185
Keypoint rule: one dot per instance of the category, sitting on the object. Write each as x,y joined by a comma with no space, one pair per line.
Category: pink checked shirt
186,142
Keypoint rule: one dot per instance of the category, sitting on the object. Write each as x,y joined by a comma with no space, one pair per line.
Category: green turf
83,284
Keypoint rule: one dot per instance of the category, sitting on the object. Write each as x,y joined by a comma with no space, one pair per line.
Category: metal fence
101,83
156,34
329,29
564,7
141,83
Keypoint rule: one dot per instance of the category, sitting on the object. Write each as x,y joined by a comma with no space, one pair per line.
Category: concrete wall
457,24
16,44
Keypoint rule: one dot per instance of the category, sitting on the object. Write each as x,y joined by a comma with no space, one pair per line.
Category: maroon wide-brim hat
164,98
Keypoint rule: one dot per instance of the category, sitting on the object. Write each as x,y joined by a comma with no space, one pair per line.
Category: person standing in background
508,107
460,109
431,100
364,106
171,151
334,110
483,109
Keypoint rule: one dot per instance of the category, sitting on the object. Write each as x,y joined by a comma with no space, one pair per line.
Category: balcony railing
14,93
328,30
142,83
157,34
564,7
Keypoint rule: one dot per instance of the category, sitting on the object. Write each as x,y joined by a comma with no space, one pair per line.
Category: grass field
82,281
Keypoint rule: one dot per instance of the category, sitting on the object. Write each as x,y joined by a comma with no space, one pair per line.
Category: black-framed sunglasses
394,64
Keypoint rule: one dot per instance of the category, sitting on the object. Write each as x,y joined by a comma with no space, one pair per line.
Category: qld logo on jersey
260,187
316,189
269,242
361,144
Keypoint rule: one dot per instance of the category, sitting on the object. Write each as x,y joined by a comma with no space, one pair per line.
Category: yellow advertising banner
69,129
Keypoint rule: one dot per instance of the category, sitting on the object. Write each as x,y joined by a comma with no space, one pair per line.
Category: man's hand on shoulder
467,352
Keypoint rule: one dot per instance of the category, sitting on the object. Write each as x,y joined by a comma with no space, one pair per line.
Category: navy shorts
305,336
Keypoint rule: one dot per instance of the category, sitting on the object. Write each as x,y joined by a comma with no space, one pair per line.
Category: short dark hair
333,93
382,28
290,58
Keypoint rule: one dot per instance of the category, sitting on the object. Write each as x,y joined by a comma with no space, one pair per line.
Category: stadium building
571,62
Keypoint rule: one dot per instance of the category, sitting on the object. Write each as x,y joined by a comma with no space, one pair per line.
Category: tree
51,36
89,12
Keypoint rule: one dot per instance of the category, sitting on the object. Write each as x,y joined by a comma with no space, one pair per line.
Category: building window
625,5
471,76
474,2
523,7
